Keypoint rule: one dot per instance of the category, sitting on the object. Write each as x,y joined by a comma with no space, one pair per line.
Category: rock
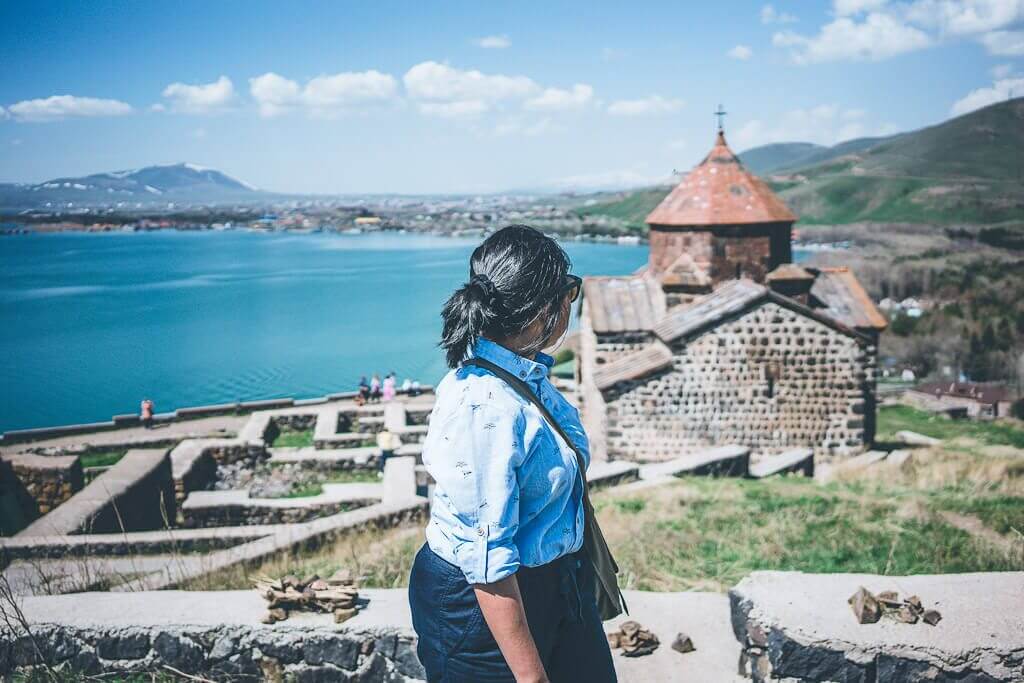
906,615
931,617
180,652
865,607
123,646
634,639
683,643
344,614
337,650
613,640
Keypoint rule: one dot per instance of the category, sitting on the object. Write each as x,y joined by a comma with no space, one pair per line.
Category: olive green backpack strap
610,601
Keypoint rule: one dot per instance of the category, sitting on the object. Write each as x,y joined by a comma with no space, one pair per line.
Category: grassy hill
965,170
769,158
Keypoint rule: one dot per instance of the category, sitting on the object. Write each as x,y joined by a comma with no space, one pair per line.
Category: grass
293,438
892,419
707,534
101,459
380,558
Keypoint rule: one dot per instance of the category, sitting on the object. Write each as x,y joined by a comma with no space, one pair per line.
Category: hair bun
483,284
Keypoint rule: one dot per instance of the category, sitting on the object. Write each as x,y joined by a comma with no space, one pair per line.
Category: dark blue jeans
456,646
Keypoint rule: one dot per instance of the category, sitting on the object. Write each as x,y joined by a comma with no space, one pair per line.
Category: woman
389,387
502,589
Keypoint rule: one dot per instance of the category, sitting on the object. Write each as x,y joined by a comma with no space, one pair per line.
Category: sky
471,97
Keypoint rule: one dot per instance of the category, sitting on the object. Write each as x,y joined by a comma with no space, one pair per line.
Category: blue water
92,323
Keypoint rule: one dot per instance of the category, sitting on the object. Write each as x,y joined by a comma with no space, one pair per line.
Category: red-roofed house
721,339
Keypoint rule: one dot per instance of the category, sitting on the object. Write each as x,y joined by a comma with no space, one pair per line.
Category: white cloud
965,17
59,107
158,107
982,97
877,37
844,8
323,95
1001,71
769,15
200,99
741,52
1004,43
3,113
446,91
555,99
655,104
824,124
493,42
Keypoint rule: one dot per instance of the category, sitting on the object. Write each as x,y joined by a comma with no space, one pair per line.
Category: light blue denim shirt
508,490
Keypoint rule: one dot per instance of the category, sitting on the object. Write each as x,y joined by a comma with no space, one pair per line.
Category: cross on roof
720,113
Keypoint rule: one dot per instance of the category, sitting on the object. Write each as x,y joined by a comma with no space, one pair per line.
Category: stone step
729,461
797,460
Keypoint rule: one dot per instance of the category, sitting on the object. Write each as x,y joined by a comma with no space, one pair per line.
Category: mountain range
152,185
967,170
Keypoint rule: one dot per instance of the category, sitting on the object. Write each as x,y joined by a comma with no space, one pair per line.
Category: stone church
721,339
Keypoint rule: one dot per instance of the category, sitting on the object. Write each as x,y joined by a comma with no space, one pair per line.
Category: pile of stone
868,608
337,594
634,640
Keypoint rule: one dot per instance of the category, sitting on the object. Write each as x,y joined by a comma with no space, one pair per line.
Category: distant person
146,413
407,386
414,389
375,388
389,387
364,391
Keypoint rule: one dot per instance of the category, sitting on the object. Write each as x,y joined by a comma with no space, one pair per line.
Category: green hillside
966,170
768,158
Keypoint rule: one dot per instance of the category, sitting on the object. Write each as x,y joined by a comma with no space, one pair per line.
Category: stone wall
234,652
195,516
36,484
135,494
771,380
730,250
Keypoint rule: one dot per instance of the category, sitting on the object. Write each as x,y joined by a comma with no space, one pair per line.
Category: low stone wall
37,484
136,494
798,626
311,650
199,516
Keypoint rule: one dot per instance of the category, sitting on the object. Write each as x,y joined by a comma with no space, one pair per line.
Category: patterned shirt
508,490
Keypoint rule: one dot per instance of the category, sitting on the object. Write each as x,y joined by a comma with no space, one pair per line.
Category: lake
90,324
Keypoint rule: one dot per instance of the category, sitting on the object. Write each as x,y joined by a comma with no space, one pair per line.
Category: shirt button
522,374
479,531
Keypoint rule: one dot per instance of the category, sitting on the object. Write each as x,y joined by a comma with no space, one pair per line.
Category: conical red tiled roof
719,191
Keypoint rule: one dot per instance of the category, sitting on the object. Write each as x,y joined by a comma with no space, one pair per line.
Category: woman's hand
502,607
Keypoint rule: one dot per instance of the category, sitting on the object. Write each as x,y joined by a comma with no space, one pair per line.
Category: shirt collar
521,367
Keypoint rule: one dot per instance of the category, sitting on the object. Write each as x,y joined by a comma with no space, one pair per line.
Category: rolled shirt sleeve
484,450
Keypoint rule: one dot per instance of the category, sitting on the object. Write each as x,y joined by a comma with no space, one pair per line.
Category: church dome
720,191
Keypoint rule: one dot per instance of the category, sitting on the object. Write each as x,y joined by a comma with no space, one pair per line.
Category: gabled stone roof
623,304
842,297
720,191
647,361
731,298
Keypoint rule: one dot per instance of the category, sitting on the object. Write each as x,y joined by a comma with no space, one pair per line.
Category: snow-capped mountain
177,183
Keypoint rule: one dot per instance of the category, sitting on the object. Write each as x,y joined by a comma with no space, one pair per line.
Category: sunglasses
573,287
